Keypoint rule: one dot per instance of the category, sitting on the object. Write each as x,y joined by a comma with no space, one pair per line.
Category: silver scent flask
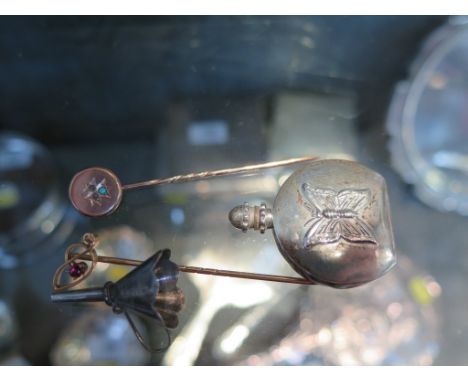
331,222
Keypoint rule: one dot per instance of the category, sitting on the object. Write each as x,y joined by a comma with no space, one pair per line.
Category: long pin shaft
215,173
208,271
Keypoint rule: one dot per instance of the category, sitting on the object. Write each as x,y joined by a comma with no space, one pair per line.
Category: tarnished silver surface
332,223
245,217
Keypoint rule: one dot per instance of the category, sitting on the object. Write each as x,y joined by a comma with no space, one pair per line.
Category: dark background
72,80
102,90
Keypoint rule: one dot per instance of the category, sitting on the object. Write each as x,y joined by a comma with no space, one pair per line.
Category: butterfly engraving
336,215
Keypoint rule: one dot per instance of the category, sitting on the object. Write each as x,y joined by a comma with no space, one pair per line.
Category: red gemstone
83,267
77,269
74,271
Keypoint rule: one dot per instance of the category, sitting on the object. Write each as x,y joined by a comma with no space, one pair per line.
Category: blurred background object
325,123
392,321
7,326
99,337
32,210
154,96
428,120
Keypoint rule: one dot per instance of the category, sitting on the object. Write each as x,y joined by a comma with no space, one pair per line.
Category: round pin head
95,192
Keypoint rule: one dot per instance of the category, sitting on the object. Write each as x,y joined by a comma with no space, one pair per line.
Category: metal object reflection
331,222
98,337
393,321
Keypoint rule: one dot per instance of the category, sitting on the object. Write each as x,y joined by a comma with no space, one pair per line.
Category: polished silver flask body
331,222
